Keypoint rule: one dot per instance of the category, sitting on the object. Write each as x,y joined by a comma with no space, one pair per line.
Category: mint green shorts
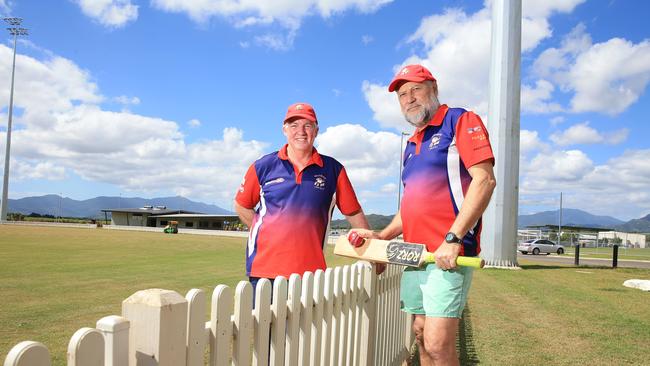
435,293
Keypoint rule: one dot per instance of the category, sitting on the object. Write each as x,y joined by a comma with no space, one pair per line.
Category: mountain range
570,217
91,208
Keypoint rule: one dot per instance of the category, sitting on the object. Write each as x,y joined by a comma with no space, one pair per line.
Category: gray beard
423,117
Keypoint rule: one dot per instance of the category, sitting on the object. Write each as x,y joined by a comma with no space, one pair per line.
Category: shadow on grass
467,355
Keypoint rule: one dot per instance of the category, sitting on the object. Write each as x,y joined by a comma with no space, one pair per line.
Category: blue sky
178,97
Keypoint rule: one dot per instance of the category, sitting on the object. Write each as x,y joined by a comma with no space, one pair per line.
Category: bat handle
355,239
475,262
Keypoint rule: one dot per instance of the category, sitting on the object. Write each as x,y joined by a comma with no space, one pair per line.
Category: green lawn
607,252
54,281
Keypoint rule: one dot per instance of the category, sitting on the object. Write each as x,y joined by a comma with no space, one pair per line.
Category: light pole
15,31
401,161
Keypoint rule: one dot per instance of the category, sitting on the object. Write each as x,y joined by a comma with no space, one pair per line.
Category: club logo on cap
299,107
404,71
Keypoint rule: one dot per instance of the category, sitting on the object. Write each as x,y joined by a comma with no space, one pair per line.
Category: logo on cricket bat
404,253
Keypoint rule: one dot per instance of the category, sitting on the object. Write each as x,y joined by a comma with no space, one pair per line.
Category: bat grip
474,262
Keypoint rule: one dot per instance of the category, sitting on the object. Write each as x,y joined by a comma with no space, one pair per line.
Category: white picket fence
342,316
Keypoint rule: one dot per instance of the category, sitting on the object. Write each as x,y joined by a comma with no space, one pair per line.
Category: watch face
450,238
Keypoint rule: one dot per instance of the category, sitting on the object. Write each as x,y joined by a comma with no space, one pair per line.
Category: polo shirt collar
315,156
435,121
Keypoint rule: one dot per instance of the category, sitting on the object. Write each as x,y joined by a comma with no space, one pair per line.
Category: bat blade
395,252
382,251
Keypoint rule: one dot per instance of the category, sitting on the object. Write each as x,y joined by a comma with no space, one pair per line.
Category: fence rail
341,316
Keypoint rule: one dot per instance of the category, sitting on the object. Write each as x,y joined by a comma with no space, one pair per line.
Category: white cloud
366,39
22,171
368,156
111,13
557,120
288,14
529,141
582,133
385,107
537,99
62,130
456,48
617,188
123,99
605,77
194,123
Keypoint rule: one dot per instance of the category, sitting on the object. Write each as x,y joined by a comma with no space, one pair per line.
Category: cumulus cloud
110,13
456,48
367,156
617,187
537,99
288,14
582,133
366,39
62,130
605,77
194,123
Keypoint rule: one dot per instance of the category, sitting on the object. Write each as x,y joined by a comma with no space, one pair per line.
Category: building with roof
160,216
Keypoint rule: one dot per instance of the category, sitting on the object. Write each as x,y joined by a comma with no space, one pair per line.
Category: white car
537,246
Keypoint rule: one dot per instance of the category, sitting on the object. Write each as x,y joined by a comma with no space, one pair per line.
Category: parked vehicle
537,246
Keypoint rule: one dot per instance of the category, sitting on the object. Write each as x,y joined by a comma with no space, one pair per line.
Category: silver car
537,246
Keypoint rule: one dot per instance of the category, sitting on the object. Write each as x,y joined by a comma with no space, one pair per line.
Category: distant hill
641,225
377,222
570,217
67,207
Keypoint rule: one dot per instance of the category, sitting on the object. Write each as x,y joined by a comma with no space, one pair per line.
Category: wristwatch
451,238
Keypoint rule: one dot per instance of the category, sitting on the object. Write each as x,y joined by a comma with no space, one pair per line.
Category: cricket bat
395,252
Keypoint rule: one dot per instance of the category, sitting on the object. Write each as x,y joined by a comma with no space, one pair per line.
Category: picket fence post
368,316
28,353
116,340
195,342
86,348
158,327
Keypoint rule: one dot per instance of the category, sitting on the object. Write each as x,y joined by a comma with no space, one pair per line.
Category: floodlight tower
15,31
401,162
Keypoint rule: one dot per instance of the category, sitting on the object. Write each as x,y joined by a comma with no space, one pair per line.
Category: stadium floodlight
401,162
15,31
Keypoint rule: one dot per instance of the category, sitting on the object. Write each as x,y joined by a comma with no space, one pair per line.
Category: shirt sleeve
472,140
346,199
248,194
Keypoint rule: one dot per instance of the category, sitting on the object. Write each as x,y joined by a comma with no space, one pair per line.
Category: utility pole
559,223
15,31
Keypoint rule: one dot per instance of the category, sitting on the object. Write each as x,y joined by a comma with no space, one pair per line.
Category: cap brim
396,82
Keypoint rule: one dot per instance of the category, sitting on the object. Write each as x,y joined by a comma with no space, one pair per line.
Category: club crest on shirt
474,129
319,181
435,140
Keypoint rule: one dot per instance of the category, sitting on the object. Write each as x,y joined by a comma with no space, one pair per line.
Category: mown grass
54,281
607,252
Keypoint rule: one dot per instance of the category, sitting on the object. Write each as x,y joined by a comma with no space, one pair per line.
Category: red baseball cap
416,73
302,110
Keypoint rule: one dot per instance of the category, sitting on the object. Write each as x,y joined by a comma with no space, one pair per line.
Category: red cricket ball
355,240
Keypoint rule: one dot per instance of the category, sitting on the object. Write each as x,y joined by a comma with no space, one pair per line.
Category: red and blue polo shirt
293,211
435,177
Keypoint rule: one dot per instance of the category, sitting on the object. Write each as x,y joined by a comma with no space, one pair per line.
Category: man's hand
363,234
446,256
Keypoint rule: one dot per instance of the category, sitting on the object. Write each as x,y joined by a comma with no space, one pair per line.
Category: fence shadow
467,354
465,346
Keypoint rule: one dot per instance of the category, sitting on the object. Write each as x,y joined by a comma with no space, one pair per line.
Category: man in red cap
448,181
287,198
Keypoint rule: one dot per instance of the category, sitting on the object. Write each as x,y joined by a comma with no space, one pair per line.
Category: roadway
584,261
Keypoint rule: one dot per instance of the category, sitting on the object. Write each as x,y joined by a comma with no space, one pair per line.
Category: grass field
607,252
54,281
